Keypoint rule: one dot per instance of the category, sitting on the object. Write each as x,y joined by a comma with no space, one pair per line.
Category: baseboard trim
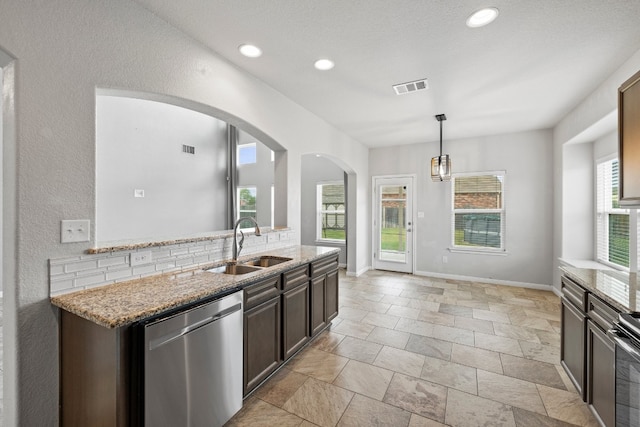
359,272
486,280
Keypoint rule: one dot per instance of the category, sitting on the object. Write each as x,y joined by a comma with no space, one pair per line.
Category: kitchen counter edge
123,303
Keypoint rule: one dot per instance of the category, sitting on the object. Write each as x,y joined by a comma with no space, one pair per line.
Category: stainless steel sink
234,269
266,261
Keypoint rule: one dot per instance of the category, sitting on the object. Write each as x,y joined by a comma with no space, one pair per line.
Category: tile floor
415,351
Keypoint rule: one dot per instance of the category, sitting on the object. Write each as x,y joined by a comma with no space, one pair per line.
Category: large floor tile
256,412
366,412
455,335
516,332
318,364
429,347
420,421
417,396
353,329
404,311
456,310
566,406
499,344
321,403
383,320
281,386
466,410
327,340
477,357
416,327
355,348
541,352
492,316
365,379
532,371
436,317
389,337
471,324
526,418
450,374
404,362
511,391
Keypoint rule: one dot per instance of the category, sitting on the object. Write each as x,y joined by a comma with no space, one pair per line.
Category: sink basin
266,261
234,269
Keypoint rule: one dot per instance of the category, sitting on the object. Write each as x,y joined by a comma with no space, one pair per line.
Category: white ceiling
524,71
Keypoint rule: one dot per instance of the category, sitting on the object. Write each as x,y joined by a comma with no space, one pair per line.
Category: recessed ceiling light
324,64
482,17
250,50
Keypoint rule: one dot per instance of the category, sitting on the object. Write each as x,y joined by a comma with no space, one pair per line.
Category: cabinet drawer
601,313
574,293
324,265
261,291
295,277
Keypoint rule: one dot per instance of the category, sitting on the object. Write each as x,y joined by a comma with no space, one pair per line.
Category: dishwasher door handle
172,336
621,340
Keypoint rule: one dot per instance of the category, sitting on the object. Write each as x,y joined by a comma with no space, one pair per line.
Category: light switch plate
72,231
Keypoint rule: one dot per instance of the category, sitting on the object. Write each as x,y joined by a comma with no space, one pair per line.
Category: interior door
393,224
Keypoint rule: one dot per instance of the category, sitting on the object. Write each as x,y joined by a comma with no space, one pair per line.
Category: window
331,213
246,204
247,154
478,213
612,222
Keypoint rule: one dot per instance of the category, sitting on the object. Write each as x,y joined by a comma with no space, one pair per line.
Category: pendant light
441,165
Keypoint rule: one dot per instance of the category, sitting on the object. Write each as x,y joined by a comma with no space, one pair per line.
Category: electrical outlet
72,231
140,258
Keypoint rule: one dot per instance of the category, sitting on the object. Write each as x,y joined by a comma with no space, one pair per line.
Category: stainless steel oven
626,335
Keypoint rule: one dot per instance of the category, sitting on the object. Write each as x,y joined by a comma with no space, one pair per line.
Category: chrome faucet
238,247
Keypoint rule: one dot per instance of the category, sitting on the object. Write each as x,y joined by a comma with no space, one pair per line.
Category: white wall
314,171
578,201
591,120
139,147
528,201
64,50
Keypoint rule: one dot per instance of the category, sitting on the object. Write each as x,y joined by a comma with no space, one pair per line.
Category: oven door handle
620,339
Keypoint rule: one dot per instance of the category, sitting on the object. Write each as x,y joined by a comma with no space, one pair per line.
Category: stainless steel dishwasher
193,365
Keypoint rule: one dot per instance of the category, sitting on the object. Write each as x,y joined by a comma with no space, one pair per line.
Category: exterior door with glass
393,224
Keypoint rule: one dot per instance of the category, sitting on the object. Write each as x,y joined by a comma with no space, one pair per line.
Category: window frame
502,211
245,146
601,225
238,210
320,212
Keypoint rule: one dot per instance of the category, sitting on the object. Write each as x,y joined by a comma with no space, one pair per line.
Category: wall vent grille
189,149
414,86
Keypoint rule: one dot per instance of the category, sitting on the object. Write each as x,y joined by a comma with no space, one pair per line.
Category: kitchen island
285,305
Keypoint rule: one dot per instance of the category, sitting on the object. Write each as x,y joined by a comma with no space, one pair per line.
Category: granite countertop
619,289
120,304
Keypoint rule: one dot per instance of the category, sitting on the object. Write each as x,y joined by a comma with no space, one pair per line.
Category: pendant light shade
441,165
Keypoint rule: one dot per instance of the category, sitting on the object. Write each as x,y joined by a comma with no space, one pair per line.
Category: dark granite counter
123,303
621,290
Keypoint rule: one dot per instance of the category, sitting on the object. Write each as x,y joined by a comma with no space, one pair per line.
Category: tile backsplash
91,270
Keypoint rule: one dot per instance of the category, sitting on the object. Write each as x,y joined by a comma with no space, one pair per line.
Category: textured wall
64,50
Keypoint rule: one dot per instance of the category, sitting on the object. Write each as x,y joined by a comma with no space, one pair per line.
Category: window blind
612,222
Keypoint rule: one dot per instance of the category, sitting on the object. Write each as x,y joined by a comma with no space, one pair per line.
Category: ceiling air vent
409,87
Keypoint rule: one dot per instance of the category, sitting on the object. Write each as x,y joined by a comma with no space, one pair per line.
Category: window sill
586,263
476,251
331,242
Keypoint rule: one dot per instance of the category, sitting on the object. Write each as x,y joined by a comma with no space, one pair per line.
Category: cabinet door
295,319
262,342
331,295
601,374
318,310
572,345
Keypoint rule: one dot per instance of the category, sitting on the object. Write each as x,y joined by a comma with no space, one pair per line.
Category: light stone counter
120,304
620,289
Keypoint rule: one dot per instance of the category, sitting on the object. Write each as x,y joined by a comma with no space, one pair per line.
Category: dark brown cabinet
293,290
572,344
262,342
586,353
324,292
601,359
295,319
